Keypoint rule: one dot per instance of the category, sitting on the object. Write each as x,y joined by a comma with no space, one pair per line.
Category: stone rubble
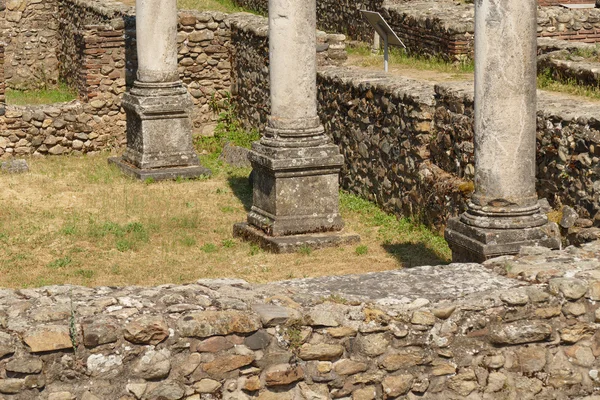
521,326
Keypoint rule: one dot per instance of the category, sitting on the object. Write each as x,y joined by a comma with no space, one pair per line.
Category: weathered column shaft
156,28
503,214
293,64
295,165
505,103
158,107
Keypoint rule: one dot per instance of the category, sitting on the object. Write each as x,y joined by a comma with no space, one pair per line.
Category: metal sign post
385,32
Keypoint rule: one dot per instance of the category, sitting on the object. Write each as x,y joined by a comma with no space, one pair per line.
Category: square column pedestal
295,200
470,243
159,133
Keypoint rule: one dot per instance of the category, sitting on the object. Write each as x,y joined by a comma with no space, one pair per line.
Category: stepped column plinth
503,214
158,107
296,167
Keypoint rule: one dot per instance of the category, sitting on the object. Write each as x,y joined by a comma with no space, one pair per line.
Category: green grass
228,129
226,6
590,53
410,241
546,81
361,250
399,57
56,94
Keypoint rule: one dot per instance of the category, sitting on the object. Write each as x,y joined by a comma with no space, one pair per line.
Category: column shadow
242,189
411,255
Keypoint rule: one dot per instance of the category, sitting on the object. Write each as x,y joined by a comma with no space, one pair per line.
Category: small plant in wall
72,324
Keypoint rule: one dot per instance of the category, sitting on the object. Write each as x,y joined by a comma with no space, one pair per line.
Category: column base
159,128
159,174
296,190
295,194
476,244
292,243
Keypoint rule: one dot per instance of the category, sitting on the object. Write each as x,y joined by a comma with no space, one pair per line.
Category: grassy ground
57,94
399,61
78,220
545,81
226,6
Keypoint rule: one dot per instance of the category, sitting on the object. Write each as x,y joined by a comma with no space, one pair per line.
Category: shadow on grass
240,186
414,254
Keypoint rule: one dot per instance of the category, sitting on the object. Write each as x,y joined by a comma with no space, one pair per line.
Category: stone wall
91,39
434,28
204,62
568,134
2,82
384,128
569,24
29,31
447,332
62,128
341,16
408,144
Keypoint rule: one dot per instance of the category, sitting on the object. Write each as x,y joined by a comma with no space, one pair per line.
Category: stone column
296,167
159,127
503,214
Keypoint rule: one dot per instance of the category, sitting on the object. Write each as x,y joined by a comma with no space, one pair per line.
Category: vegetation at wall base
228,130
547,81
60,93
399,57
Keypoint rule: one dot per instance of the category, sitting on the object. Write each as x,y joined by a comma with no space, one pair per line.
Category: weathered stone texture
29,31
333,15
568,134
489,345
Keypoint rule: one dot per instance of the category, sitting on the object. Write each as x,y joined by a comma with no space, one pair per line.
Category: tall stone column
296,167
159,127
503,214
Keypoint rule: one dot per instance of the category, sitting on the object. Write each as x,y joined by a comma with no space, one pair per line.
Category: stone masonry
503,213
523,327
30,33
158,107
2,82
295,165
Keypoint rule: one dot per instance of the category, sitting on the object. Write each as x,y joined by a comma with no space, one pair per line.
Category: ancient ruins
489,160
158,107
296,165
503,213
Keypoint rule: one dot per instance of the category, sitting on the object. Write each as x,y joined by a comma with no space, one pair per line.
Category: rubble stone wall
483,336
29,31
434,29
337,16
569,24
568,135
408,144
2,81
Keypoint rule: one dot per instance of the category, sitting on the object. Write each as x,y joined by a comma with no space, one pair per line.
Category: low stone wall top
448,332
569,24
332,15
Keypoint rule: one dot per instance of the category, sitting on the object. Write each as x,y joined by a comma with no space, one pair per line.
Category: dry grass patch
226,6
78,220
